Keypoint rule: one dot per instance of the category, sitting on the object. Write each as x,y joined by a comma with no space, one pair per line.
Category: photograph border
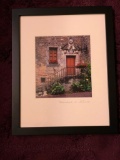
16,72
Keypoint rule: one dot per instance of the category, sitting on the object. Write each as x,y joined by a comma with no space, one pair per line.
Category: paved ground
78,94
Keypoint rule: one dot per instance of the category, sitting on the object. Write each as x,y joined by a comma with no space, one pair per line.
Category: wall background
65,147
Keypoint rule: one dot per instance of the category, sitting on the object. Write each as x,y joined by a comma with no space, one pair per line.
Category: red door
70,64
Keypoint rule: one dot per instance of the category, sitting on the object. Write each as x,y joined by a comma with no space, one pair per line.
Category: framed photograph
63,75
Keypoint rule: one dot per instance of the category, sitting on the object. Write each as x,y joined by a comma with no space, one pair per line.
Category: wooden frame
18,74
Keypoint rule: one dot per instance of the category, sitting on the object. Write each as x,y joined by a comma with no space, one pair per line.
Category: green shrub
75,87
57,88
86,72
84,84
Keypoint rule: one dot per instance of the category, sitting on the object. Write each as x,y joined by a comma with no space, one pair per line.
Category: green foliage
86,72
75,87
57,88
84,84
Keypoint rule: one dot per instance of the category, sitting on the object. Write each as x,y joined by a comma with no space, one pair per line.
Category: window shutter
52,55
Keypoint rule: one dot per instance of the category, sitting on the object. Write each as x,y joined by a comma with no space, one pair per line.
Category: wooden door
70,64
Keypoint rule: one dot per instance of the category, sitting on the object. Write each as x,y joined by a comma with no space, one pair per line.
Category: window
52,55
42,79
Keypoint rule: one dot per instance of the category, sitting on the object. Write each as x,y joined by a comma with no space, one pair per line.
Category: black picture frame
16,72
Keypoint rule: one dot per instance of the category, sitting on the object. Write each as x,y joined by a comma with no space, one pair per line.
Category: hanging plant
81,64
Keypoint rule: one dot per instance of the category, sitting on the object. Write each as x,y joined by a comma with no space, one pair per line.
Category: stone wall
43,68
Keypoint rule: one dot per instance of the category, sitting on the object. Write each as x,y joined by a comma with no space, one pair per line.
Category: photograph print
63,66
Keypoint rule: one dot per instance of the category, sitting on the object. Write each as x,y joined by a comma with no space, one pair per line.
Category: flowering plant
81,64
53,61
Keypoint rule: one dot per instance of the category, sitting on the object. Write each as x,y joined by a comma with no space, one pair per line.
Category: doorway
70,65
